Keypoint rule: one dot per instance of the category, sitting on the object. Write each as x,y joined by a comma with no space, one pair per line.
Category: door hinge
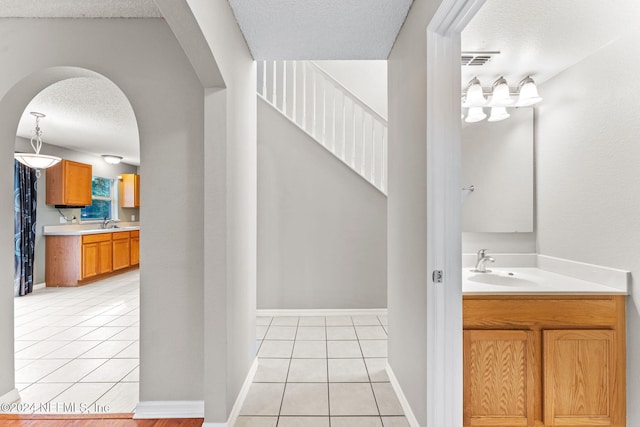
437,276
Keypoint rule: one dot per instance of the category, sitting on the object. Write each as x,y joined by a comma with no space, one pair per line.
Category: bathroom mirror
497,160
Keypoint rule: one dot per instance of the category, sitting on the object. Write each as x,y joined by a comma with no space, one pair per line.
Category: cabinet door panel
120,254
90,260
499,378
135,250
579,378
105,257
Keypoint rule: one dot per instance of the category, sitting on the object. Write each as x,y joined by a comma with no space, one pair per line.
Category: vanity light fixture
36,160
475,114
498,113
475,94
112,159
500,96
528,93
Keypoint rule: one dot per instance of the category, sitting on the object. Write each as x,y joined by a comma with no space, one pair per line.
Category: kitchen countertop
77,231
530,281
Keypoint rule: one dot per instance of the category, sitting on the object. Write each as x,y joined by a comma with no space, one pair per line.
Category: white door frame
444,249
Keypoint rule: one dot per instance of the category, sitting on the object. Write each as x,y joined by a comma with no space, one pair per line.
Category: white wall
588,201
321,226
143,59
407,248
49,215
366,79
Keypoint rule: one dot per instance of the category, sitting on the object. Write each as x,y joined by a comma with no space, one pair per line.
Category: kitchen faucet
107,221
483,258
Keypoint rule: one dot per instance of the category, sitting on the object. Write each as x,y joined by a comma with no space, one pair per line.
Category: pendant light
500,94
528,93
498,113
36,160
475,96
475,115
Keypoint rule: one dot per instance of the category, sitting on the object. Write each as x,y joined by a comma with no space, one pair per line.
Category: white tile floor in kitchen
77,349
322,372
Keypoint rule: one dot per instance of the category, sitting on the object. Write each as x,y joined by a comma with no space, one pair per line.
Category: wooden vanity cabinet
69,184
544,361
129,190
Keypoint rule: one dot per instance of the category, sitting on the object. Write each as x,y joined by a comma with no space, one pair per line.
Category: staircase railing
330,113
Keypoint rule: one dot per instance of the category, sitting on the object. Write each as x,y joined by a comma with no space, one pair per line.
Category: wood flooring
115,420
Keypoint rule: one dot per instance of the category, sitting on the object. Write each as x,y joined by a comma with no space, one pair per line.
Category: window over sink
104,201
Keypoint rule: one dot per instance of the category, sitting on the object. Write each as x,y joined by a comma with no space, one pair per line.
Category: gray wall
48,215
587,175
144,60
407,218
321,227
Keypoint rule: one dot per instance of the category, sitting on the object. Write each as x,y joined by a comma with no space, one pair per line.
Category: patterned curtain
24,219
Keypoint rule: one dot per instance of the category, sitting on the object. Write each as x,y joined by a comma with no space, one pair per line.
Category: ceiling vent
477,59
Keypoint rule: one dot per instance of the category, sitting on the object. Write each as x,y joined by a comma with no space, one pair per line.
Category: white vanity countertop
529,281
79,230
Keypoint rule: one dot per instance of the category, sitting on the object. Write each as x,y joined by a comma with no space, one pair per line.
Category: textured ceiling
543,37
320,29
88,114
78,9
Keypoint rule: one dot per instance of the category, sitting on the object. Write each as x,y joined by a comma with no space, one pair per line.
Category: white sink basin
500,278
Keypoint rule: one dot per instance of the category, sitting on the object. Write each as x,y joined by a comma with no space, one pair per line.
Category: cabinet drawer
135,233
120,235
94,238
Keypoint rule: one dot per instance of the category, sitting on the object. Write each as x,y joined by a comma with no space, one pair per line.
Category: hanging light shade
498,113
36,160
475,114
475,96
500,96
112,159
528,93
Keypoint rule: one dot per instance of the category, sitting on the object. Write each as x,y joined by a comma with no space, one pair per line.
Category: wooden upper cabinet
129,190
499,378
69,184
580,378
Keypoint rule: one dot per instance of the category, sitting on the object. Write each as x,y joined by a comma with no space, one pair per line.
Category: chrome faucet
483,258
107,221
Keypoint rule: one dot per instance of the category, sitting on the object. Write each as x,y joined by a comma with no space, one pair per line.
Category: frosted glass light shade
475,95
475,115
36,161
111,159
528,93
498,113
500,95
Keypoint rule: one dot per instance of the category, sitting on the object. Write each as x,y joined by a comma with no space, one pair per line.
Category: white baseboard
408,412
324,312
39,286
11,396
169,409
235,411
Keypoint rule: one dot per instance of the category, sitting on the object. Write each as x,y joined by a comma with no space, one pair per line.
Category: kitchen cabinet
129,190
135,247
542,360
69,184
96,255
121,250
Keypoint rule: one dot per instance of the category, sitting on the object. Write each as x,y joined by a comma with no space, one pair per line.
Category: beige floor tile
112,371
40,393
305,399
341,333
303,422
310,350
384,320
41,333
98,320
343,349
73,371
339,321
73,333
21,345
39,349
366,320
272,371
82,394
106,349
356,422
281,333
121,398
132,377
311,333
39,369
377,369
276,349
388,402
371,333
72,349
263,399
285,321
308,371
374,348
117,333
395,422
263,320
261,331
311,321
124,321
347,370
243,421
131,352
352,399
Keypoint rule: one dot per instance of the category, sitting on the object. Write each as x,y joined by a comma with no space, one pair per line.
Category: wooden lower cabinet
544,361
135,247
121,250
96,255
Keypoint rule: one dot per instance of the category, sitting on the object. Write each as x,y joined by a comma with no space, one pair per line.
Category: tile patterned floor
322,372
77,349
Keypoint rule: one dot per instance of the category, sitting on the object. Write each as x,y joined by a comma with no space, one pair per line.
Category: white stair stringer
329,113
